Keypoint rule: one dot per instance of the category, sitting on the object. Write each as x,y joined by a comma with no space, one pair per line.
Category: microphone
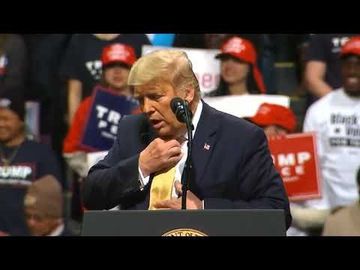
183,114
180,109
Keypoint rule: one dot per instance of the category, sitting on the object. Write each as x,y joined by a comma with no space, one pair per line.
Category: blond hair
172,66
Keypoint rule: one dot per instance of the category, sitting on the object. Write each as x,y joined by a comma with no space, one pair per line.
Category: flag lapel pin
207,146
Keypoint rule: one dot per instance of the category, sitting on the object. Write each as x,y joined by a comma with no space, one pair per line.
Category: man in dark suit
232,166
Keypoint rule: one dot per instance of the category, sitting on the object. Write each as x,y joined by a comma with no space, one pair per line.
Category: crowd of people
63,72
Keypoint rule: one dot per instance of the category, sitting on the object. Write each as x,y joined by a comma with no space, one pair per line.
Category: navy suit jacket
233,171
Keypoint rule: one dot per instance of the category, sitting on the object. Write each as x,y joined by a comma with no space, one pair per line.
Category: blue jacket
234,170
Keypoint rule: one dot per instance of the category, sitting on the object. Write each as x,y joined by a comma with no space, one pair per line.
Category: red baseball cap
273,114
243,50
118,53
352,46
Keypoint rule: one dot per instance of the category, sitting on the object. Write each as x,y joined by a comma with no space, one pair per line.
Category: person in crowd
239,72
335,120
43,205
323,67
45,86
13,63
276,120
81,67
116,60
21,162
345,221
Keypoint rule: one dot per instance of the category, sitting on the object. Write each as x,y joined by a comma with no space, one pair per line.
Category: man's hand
192,202
159,155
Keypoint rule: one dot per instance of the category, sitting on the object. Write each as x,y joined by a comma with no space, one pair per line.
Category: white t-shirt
336,120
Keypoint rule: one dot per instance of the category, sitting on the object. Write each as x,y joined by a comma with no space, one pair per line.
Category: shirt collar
58,230
196,118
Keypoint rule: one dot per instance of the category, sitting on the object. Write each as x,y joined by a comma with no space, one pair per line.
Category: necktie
161,187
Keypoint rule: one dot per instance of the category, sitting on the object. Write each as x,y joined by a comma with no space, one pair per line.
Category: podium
239,222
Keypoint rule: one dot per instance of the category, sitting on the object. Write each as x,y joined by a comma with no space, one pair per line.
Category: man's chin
165,134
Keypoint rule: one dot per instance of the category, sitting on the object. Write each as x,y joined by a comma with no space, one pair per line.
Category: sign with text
205,66
105,113
245,105
295,158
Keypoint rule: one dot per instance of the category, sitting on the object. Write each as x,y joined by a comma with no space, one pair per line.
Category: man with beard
336,120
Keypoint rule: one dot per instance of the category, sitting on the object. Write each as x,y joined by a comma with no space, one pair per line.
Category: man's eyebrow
150,91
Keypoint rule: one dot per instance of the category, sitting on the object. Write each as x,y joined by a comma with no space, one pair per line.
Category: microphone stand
185,177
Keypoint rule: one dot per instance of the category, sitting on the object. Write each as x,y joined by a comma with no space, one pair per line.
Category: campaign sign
245,105
105,113
295,159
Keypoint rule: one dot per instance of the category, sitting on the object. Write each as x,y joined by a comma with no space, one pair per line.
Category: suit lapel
204,141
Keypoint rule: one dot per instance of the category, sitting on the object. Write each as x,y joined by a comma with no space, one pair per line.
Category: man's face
154,99
10,125
351,75
38,223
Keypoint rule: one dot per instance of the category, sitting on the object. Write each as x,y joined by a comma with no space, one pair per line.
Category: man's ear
189,94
